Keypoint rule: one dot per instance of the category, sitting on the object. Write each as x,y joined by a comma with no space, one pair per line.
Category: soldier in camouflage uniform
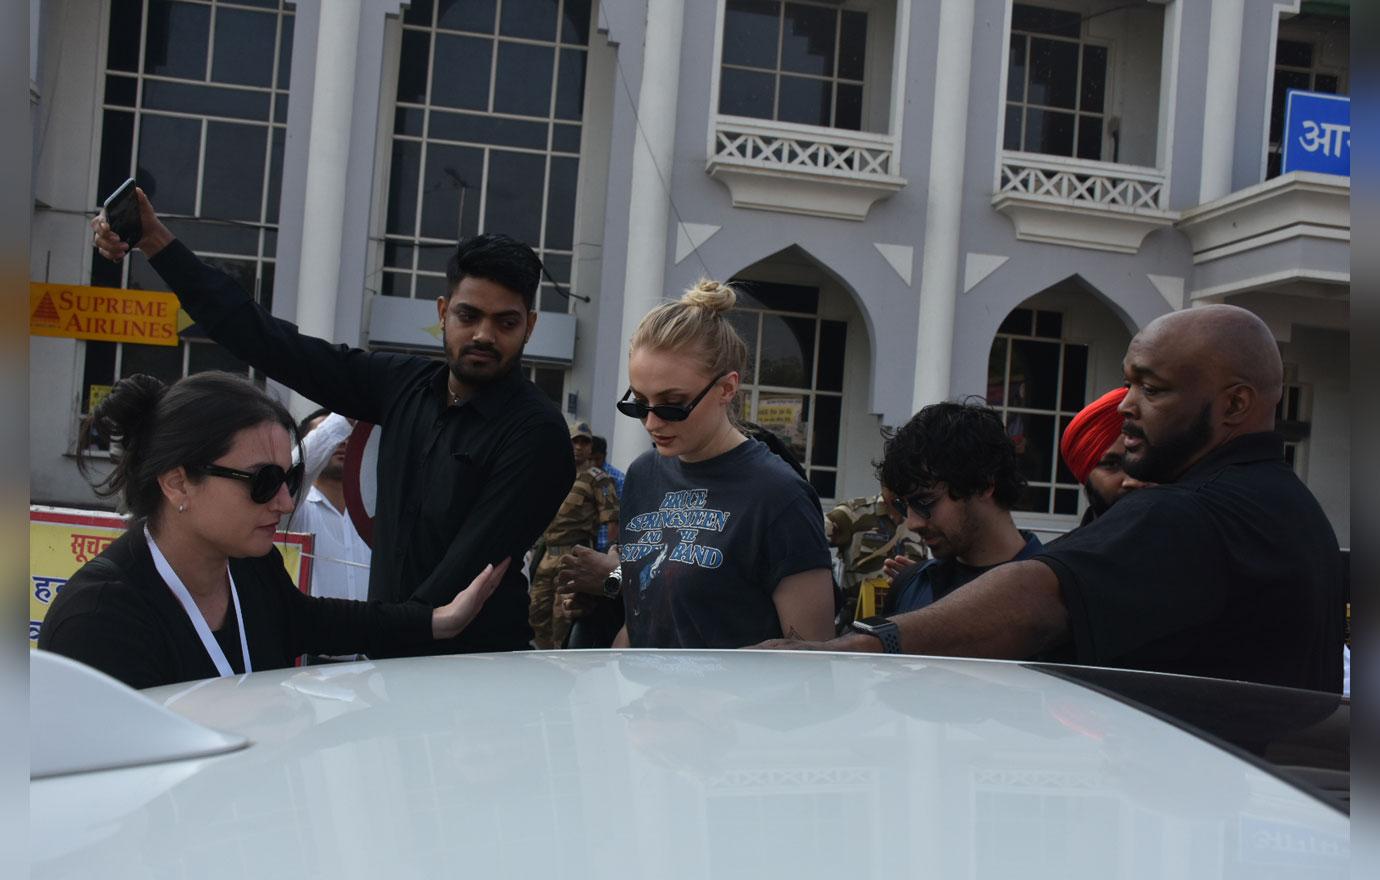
592,502
867,532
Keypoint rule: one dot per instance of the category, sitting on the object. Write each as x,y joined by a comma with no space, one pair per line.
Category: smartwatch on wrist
884,630
613,584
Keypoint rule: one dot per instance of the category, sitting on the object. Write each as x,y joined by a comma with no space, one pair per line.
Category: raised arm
320,444
346,380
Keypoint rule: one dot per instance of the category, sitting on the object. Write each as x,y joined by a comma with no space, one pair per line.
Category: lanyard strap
203,630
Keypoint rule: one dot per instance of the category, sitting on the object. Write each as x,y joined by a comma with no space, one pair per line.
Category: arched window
794,379
1038,382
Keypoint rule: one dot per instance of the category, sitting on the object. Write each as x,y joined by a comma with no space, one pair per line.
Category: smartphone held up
122,213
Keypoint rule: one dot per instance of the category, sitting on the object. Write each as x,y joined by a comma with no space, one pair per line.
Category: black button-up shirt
458,486
1232,571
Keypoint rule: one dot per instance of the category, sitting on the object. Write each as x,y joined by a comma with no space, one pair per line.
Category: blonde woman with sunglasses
723,542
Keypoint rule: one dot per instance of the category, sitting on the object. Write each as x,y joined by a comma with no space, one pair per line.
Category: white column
328,156
1219,112
944,210
649,208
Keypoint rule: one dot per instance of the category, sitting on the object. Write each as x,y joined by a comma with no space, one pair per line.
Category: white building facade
926,199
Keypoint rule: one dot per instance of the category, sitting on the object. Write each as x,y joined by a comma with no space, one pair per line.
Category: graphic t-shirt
704,546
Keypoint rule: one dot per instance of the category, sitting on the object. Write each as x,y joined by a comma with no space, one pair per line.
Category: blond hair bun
711,296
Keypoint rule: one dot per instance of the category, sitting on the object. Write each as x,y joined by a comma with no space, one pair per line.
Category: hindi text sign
62,541
1317,133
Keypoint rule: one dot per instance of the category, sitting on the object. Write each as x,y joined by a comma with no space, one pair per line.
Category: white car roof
670,764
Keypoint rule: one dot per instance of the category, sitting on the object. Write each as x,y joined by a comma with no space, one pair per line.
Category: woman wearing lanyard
723,542
195,588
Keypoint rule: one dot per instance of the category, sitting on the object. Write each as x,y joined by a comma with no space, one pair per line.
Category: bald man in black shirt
1228,568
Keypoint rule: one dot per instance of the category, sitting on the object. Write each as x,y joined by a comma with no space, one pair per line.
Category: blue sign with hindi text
1317,133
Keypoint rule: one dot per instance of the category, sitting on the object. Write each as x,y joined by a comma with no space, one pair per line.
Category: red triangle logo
47,312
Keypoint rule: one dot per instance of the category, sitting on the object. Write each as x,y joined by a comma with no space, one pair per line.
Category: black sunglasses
923,507
667,412
263,483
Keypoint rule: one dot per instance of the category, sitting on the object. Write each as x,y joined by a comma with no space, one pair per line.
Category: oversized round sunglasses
264,483
667,412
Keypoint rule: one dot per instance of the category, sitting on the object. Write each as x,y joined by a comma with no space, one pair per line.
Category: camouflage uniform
866,537
592,502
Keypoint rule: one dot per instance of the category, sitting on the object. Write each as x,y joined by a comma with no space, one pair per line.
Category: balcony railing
1078,181
1080,203
813,170
803,148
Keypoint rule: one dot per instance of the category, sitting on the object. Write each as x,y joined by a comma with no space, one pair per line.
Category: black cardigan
118,615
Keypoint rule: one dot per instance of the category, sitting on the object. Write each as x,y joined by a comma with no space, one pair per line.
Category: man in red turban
1093,450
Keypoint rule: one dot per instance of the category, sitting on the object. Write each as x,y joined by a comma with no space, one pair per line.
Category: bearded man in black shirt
473,459
1228,568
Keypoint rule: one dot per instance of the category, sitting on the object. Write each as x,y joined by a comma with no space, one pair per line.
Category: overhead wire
637,120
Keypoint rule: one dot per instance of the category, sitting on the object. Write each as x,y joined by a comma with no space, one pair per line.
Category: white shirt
338,545
340,567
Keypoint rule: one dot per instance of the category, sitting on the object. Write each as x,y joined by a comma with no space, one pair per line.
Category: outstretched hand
156,236
450,619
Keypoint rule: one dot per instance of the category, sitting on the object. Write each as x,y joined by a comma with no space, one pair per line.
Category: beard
1164,461
333,471
951,544
1096,503
484,373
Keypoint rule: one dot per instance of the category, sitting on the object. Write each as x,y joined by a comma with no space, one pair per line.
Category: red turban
1090,433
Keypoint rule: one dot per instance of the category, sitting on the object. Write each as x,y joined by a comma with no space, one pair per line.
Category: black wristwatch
613,584
882,629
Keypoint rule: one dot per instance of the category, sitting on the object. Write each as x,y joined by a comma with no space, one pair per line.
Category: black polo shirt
1231,572
458,486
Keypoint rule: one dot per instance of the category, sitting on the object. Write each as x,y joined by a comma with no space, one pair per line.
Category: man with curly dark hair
956,475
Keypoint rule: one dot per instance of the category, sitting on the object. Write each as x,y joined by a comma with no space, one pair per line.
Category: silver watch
613,584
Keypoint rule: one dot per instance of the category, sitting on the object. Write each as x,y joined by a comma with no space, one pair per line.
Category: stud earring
182,508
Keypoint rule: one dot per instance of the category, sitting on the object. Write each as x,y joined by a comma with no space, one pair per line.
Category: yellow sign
783,416
872,596
779,412
62,541
106,313
96,394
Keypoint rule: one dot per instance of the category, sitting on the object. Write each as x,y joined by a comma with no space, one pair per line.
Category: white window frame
1304,402
1005,409
834,80
1108,85
529,369
877,67
750,393
387,137
261,258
